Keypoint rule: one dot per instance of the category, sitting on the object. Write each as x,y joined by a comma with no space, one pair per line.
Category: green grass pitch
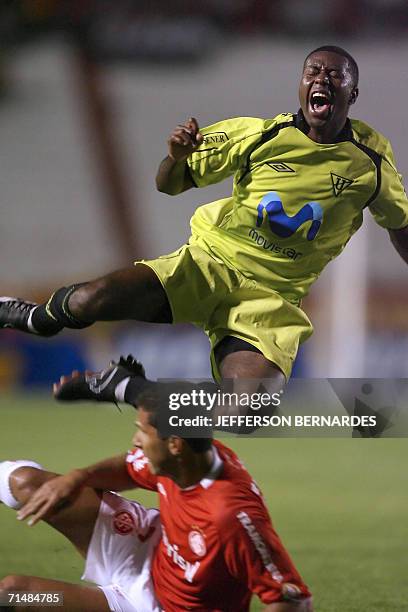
340,505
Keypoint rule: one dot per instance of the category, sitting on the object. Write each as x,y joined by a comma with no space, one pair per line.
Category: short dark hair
155,401
340,51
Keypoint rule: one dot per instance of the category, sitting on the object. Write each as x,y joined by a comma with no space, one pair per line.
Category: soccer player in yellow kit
301,184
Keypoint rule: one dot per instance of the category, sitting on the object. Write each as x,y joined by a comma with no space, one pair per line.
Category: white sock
6,469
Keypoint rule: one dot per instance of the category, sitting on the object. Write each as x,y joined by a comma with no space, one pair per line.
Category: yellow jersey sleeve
224,149
390,207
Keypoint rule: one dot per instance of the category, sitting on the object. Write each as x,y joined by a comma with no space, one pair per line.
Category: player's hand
185,139
52,496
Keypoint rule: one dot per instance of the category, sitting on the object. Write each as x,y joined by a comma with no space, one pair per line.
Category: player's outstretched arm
399,239
108,474
173,176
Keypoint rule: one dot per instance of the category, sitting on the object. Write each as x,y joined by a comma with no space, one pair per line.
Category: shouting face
327,89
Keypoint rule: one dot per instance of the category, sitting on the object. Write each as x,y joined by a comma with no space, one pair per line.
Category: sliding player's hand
184,140
51,497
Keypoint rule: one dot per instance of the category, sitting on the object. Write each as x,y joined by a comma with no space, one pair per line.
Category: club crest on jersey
339,183
284,226
197,543
123,522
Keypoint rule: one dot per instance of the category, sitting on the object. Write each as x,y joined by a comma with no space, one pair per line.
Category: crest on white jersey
123,522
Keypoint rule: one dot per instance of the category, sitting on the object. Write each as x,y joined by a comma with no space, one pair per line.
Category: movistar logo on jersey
284,226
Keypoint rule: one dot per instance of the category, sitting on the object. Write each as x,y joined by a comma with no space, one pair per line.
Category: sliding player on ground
211,547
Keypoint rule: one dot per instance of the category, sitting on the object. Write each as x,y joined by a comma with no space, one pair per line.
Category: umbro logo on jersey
340,183
280,167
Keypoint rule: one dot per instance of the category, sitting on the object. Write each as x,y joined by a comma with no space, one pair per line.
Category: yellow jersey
295,203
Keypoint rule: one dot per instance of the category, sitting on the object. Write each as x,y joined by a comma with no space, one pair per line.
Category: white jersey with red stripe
218,545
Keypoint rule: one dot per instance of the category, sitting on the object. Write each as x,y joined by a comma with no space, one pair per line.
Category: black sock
135,386
50,318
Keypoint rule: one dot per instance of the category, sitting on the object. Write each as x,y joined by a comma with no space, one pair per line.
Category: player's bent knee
25,480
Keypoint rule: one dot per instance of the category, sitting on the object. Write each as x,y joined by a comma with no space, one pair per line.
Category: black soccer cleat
15,314
99,386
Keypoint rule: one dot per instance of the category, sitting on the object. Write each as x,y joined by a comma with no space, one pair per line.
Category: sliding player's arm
255,555
109,474
173,176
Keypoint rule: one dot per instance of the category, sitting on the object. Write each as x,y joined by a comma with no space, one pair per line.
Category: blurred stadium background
89,91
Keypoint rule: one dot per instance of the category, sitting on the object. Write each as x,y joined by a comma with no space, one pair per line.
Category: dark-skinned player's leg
250,364
245,370
76,522
238,360
132,293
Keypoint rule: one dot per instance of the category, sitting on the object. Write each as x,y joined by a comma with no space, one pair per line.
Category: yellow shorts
202,290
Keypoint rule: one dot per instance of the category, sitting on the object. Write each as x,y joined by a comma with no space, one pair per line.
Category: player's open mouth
321,104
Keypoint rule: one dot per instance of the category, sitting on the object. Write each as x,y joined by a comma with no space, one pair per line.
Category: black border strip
377,160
